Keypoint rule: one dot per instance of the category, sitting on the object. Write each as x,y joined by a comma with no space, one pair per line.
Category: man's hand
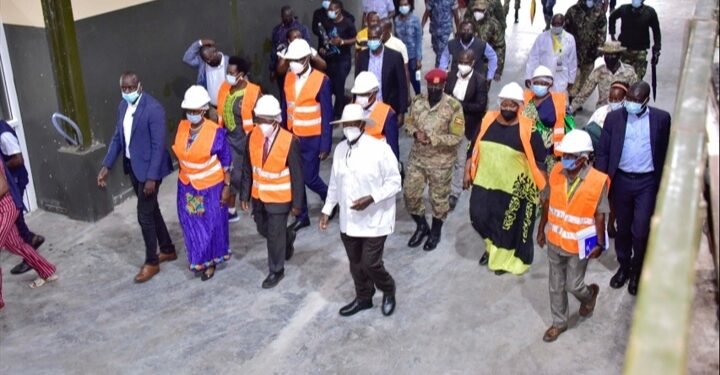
101,177
295,211
323,155
245,206
336,41
541,237
323,222
655,57
362,203
149,188
207,42
225,196
596,251
421,137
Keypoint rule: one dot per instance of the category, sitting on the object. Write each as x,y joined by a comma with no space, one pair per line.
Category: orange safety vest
560,102
197,166
379,115
252,93
304,116
526,128
271,181
566,218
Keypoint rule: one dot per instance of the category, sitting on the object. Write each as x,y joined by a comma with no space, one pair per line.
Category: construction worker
575,211
365,89
546,108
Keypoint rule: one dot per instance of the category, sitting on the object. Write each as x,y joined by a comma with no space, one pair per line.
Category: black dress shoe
37,241
273,279
299,224
422,230
500,272
634,284
20,268
452,200
434,237
484,259
355,307
388,305
619,279
290,244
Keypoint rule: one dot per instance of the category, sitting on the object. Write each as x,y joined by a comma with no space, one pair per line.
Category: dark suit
632,195
393,82
149,160
475,102
271,218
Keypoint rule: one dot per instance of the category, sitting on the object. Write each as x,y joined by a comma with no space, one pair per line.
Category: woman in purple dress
203,185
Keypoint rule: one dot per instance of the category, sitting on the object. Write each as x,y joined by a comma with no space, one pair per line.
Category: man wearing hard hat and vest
575,216
307,112
272,178
366,89
546,107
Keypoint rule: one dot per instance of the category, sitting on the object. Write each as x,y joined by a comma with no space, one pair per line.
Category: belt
635,175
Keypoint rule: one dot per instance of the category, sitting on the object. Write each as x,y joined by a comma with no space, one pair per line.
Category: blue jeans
547,8
310,153
337,71
412,63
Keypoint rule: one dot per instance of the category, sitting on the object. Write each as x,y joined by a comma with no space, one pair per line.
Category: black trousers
272,226
366,265
152,224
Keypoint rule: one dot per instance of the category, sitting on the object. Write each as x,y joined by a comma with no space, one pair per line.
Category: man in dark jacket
637,19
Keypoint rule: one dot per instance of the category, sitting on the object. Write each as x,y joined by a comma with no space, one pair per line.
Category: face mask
231,79
610,60
466,37
633,107
540,90
374,44
569,164
194,119
637,3
434,95
508,115
556,30
363,101
352,133
266,129
590,4
464,69
326,4
615,106
479,16
297,67
331,15
405,9
131,97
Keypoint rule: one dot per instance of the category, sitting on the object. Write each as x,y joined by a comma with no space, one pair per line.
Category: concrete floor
453,317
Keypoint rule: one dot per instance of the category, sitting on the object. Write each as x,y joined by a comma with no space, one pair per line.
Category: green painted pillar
60,28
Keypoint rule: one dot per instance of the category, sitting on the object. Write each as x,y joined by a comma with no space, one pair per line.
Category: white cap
512,91
354,112
196,97
298,49
267,106
575,142
364,83
542,71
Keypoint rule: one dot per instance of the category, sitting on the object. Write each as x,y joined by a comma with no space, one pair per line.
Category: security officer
437,125
586,21
441,13
365,89
489,29
637,19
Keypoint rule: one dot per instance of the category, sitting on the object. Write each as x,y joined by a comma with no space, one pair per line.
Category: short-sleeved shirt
344,29
398,45
9,144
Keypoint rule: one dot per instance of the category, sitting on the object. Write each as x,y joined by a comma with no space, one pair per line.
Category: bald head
639,92
558,20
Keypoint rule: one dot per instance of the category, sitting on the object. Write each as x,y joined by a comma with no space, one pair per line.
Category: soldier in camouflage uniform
636,23
603,76
494,8
587,24
437,124
489,29
441,13
506,8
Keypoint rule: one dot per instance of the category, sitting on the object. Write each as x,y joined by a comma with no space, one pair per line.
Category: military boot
423,229
434,237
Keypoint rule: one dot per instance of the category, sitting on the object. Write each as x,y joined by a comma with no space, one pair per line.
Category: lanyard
573,187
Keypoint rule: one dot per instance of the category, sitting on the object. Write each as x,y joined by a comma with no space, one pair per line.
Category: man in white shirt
555,48
211,64
363,182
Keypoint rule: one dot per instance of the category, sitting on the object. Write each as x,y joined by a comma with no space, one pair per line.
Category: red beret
436,76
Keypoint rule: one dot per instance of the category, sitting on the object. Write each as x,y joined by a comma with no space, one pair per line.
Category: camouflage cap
611,47
481,4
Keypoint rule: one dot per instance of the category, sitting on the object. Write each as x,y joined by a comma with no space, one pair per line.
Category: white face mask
297,67
478,15
363,101
266,129
464,69
352,133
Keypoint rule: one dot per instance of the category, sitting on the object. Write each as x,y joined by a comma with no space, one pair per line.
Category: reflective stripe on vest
252,93
304,115
567,218
560,104
526,128
379,114
271,181
197,166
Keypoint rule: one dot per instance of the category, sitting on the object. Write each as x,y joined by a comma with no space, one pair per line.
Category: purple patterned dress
203,218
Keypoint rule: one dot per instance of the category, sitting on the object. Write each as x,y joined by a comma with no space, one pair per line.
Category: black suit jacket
393,80
475,101
612,140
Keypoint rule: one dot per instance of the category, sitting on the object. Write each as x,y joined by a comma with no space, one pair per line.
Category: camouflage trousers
438,181
506,6
583,73
439,40
638,60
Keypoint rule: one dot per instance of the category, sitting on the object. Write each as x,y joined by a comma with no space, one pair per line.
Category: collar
644,114
137,102
426,103
460,77
382,52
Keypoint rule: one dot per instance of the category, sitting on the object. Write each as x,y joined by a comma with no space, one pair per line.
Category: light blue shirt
637,153
375,65
489,54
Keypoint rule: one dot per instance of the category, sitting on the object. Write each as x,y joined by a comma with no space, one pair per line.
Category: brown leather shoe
146,273
587,308
552,333
167,257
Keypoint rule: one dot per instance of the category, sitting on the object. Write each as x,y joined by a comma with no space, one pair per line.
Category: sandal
40,281
208,274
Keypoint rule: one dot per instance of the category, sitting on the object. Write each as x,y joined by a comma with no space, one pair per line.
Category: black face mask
611,61
466,37
508,115
434,95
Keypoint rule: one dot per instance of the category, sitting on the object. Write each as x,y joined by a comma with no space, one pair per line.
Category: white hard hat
268,106
354,112
542,71
364,83
575,142
512,91
196,97
297,49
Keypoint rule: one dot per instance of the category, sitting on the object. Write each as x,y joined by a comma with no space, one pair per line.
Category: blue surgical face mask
131,97
405,9
194,119
615,106
374,44
589,3
540,90
326,4
637,3
231,79
556,30
568,163
331,15
633,107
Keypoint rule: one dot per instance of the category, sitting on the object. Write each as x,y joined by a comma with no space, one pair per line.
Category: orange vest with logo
526,128
559,102
197,166
379,114
304,117
271,180
252,92
566,218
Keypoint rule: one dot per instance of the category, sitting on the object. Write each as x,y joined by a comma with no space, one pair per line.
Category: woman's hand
225,196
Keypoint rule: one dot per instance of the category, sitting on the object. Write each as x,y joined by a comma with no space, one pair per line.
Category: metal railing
661,322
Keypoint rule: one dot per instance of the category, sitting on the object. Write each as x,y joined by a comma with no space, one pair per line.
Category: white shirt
369,167
300,82
396,44
599,115
9,144
127,124
215,77
563,65
461,86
